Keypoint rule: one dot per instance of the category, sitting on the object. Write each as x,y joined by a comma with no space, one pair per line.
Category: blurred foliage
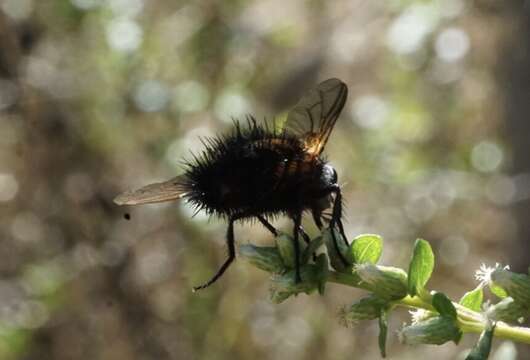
97,96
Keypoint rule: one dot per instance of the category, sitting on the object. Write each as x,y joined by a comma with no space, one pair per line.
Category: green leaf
421,267
264,258
473,299
311,248
497,290
335,259
458,337
443,305
366,308
323,265
285,285
383,330
366,248
481,351
285,245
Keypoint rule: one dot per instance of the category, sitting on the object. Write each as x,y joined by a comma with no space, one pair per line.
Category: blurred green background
99,96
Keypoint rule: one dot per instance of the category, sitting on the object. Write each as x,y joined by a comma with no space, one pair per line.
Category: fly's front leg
336,219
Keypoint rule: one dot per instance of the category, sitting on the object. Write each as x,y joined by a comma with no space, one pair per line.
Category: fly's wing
315,114
153,193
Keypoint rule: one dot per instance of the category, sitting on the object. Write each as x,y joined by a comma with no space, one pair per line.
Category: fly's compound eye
329,175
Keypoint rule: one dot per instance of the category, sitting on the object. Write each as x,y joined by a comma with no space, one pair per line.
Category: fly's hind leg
297,218
230,242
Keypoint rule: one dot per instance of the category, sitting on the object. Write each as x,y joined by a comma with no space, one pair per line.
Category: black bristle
209,178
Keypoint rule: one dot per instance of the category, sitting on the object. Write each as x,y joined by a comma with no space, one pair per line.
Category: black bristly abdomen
254,170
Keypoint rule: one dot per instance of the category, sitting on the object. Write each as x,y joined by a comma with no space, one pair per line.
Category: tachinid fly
259,172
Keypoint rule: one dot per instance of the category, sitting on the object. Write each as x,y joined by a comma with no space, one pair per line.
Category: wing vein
315,115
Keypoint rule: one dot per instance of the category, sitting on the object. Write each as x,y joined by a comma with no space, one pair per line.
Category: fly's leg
268,225
230,242
336,219
296,231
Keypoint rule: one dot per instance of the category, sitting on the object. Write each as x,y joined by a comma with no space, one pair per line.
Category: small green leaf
383,330
335,259
473,299
421,267
366,308
366,248
285,245
443,305
481,351
264,258
283,286
458,337
322,276
497,290
311,248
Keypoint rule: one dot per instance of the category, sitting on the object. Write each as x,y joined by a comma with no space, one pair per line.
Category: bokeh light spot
126,7
420,208
175,152
154,267
8,93
79,187
452,44
27,227
31,314
124,35
451,8
370,111
500,190
191,96
454,250
486,156
86,4
409,30
231,104
507,350
8,187
17,9
151,96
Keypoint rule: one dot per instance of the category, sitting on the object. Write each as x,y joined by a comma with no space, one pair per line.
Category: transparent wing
154,193
315,114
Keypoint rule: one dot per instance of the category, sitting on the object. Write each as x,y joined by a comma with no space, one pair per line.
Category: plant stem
468,320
